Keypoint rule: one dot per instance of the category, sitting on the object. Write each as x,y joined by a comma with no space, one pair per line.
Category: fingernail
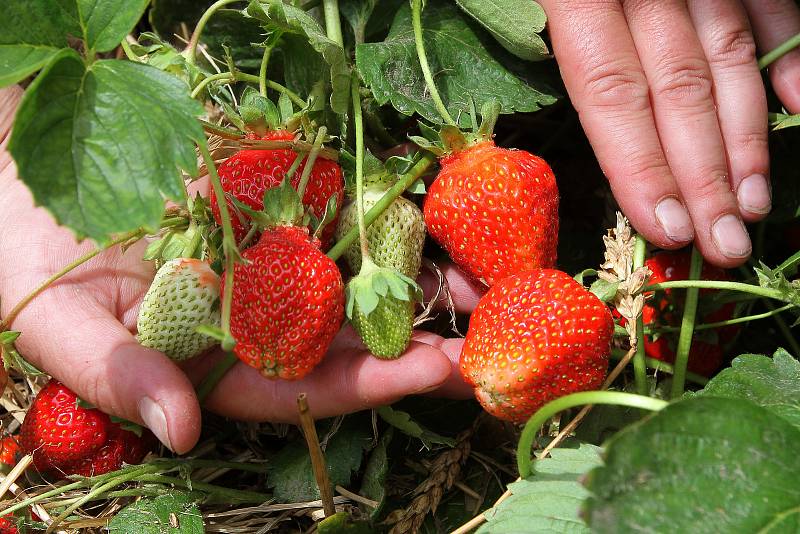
154,418
753,194
674,220
730,237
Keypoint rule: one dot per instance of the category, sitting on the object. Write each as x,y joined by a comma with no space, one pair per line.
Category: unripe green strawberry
380,306
184,295
395,238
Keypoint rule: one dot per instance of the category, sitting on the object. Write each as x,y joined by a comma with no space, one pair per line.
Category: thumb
68,334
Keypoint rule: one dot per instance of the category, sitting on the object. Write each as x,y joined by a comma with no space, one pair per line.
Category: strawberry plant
323,189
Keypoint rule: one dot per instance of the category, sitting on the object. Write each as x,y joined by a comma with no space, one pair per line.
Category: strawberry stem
191,48
385,201
416,22
359,129
719,284
777,53
213,377
312,158
524,463
639,364
687,326
721,324
250,78
262,71
658,365
333,24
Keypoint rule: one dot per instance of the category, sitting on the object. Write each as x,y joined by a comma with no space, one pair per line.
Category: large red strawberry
534,337
9,447
288,303
495,211
247,174
666,308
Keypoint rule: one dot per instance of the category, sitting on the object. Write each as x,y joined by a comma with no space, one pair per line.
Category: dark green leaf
403,422
514,23
290,19
31,33
291,474
172,513
233,29
102,147
700,465
107,22
773,383
463,67
548,501
373,483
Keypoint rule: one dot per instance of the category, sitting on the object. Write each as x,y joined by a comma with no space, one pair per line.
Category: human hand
81,330
671,98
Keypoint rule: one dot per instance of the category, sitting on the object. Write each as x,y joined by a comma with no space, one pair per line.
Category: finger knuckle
646,167
614,84
732,49
685,83
750,141
711,184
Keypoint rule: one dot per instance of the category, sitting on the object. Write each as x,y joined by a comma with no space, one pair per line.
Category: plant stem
9,319
228,246
317,457
126,47
639,365
658,365
359,129
524,464
718,284
262,71
191,48
784,328
385,201
333,24
782,49
687,326
312,158
232,495
416,21
214,376
738,320
244,77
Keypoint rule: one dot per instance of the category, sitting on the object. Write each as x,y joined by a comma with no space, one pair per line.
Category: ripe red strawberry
288,303
9,447
249,173
8,525
534,337
67,439
495,211
705,356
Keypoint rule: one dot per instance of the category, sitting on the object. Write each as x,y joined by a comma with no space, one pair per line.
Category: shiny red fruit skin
288,304
495,211
57,431
122,447
704,358
247,174
9,447
534,337
8,525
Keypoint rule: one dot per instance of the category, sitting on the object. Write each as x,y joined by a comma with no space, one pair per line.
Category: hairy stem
718,284
782,49
191,48
738,320
639,365
687,326
333,23
312,158
213,377
416,21
262,71
658,365
359,129
250,78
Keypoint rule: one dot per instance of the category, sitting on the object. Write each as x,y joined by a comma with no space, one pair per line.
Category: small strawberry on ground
666,308
8,525
183,295
534,337
9,449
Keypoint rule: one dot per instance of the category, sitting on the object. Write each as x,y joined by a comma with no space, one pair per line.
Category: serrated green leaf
9,336
172,513
514,23
403,422
779,121
373,483
463,67
279,16
604,290
102,147
773,383
106,22
701,465
291,474
548,501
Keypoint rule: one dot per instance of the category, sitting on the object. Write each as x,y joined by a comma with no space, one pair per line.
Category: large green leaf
464,66
106,22
773,383
548,501
701,465
289,19
101,147
172,513
292,476
514,23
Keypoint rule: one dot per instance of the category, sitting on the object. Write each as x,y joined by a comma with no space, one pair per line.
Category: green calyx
282,207
258,114
451,139
380,306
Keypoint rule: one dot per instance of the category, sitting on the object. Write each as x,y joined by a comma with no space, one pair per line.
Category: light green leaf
779,121
31,33
172,513
290,19
701,465
291,474
773,383
550,500
604,290
514,23
102,147
403,422
463,68
107,22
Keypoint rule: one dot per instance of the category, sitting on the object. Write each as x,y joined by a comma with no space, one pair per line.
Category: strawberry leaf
373,483
404,423
175,512
106,22
465,68
705,464
101,146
